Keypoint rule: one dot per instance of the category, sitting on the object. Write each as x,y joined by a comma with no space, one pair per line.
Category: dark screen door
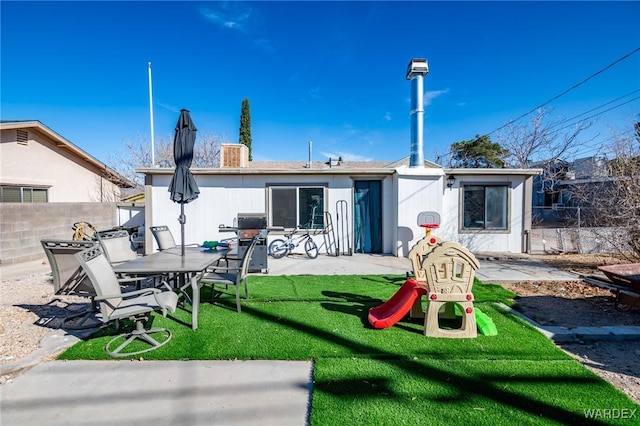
367,216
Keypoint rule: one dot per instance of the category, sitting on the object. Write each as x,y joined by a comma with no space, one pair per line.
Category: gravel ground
29,311
577,304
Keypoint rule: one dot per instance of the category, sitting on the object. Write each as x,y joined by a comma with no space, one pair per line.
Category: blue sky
328,72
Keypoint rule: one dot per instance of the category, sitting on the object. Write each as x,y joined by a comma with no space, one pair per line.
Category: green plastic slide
486,327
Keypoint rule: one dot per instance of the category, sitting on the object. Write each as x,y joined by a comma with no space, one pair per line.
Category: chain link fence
561,229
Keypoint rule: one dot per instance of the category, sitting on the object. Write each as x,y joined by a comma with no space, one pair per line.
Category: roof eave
61,142
248,171
486,171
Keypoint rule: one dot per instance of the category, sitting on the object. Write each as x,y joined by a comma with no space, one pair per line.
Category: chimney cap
417,66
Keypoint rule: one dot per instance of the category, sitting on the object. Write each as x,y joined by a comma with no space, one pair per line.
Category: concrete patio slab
159,393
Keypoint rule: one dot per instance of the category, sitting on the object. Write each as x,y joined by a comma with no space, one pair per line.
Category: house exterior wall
405,194
417,191
41,163
222,197
510,240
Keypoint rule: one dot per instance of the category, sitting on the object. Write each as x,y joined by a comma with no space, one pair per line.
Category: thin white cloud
432,94
233,19
236,16
387,116
170,108
314,92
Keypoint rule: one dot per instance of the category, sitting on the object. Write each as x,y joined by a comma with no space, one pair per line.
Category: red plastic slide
394,309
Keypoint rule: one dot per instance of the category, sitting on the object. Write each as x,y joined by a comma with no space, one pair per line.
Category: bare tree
542,139
137,154
104,191
611,204
546,143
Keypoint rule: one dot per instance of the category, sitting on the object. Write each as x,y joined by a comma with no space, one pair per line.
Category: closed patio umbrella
183,186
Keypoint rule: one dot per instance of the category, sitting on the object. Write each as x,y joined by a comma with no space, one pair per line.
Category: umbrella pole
182,219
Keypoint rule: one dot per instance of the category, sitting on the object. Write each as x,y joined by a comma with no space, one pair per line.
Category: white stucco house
39,165
372,207
486,210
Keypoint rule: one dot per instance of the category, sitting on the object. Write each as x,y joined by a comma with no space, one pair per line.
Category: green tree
245,126
479,152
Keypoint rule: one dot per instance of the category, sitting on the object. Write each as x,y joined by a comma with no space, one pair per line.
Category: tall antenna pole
153,159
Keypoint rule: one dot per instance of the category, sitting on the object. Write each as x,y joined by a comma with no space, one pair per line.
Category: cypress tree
245,126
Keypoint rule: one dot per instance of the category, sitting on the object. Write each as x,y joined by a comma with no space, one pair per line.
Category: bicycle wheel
311,248
278,248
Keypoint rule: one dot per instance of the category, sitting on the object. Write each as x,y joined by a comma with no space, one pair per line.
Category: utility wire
603,147
593,109
600,113
450,153
622,58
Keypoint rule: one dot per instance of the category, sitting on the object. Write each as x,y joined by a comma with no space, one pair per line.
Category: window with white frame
23,194
297,206
485,207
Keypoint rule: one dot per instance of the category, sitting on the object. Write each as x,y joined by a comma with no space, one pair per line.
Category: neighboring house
554,192
374,207
39,165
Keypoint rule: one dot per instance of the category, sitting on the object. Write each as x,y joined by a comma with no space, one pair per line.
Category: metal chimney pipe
416,71
310,163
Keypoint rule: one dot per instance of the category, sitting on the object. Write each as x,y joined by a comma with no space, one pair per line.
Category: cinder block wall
23,225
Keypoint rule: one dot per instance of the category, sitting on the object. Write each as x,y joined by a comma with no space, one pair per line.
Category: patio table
170,261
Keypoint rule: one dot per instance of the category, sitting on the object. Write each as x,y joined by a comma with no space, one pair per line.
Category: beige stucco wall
43,164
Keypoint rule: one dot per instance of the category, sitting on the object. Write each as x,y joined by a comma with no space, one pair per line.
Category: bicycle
280,248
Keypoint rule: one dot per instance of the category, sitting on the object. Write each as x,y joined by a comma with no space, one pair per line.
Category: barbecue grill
248,226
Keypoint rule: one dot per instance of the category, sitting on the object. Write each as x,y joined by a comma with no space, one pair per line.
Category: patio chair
165,239
70,279
68,276
232,276
136,305
117,246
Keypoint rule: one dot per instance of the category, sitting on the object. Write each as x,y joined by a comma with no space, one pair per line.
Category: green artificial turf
409,378
448,392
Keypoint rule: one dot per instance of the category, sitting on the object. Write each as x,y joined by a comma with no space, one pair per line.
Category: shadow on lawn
464,385
391,279
359,305
361,308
